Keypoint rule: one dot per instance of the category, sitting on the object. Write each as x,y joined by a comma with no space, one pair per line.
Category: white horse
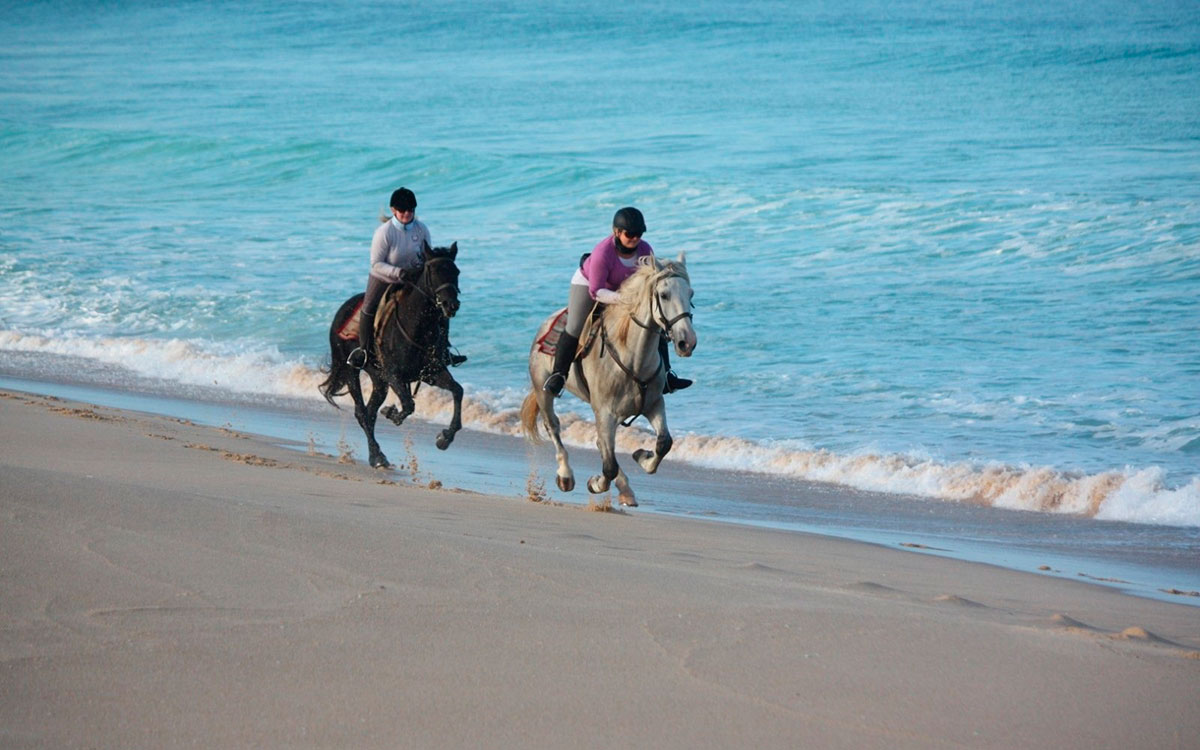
621,373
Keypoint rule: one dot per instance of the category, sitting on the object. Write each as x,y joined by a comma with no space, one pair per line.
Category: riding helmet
630,220
404,200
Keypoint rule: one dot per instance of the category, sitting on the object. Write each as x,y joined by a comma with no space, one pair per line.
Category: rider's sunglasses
631,235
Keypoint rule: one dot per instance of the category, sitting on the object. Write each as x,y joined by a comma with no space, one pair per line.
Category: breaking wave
1132,494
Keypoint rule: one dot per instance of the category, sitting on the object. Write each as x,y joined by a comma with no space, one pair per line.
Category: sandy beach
166,584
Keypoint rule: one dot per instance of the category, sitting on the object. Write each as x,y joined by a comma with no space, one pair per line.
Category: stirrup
357,358
554,384
456,359
675,383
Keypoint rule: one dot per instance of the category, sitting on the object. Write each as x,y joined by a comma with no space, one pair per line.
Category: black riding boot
564,355
674,382
360,357
454,360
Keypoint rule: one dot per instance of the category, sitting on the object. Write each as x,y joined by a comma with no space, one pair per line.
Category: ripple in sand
878,589
1069,623
759,567
957,600
1137,633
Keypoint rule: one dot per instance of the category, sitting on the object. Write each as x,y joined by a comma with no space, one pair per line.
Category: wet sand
165,584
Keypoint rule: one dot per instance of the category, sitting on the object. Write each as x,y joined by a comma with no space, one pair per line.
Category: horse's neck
416,312
640,350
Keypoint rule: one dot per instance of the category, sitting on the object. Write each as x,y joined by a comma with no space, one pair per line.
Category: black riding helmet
630,220
404,200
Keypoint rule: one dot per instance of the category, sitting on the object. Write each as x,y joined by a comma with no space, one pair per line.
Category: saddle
391,298
547,343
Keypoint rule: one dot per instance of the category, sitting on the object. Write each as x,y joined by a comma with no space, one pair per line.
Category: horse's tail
339,374
529,418
336,382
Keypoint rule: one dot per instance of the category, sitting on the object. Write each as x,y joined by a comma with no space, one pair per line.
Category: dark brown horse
411,349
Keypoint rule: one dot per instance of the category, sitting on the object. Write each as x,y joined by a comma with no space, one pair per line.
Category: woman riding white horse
621,374
597,279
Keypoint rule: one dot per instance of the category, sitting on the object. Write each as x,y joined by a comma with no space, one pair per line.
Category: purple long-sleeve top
604,270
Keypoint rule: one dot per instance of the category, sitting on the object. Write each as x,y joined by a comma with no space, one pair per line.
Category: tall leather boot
564,355
674,382
452,359
366,342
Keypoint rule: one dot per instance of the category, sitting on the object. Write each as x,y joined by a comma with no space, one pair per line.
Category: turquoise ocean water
949,250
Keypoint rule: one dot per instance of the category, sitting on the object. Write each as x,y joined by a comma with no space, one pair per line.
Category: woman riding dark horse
396,256
410,348
597,279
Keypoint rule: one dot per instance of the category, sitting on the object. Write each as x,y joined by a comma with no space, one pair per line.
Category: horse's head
440,278
672,304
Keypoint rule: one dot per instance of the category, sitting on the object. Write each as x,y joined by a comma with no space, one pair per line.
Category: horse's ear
453,250
682,258
426,250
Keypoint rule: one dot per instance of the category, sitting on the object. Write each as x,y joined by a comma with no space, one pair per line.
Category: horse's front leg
366,413
649,460
446,382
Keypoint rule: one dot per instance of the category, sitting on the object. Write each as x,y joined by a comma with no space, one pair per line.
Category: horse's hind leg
564,477
624,491
407,405
365,414
446,382
649,460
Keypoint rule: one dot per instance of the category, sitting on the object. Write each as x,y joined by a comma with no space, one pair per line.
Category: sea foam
1131,494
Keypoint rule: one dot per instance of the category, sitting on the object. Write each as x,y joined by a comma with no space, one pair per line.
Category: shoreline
167,581
1163,565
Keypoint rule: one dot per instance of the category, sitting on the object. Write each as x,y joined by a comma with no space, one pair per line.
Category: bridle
664,324
426,281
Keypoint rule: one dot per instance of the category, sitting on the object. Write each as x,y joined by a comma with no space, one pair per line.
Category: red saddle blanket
391,298
548,342
349,329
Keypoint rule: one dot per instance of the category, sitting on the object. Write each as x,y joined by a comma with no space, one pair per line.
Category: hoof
597,485
394,415
645,459
628,501
566,484
444,439
380,462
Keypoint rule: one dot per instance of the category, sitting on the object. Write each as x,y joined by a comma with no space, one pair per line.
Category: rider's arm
381,249
597,267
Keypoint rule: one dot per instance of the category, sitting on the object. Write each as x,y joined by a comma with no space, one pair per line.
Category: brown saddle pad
392,296
547,343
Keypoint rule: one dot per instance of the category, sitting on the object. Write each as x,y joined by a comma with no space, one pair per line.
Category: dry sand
164,584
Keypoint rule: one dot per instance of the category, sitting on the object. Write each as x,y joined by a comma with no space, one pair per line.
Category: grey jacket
395,249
